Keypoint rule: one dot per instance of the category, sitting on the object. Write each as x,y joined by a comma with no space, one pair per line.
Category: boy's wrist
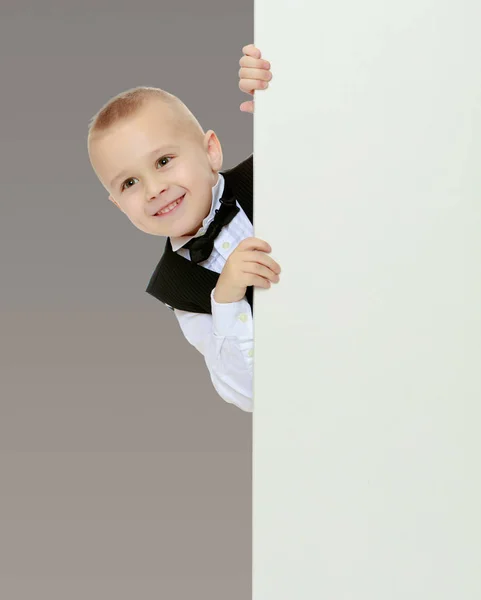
219,298
222,297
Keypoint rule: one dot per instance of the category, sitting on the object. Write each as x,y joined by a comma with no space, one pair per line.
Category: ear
214,150
115,202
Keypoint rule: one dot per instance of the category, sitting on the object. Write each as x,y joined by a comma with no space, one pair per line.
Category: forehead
152,123
129,142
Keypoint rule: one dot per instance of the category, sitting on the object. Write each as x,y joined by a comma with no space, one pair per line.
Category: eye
164,158
125,185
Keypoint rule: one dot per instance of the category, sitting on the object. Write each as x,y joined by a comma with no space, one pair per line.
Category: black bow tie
201,247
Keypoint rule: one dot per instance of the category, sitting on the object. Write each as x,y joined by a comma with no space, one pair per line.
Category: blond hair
126,104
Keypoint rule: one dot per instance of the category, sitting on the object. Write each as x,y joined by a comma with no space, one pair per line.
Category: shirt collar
217,190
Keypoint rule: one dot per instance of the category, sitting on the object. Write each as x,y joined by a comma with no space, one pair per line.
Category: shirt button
250,354
226,245
202,230
243,317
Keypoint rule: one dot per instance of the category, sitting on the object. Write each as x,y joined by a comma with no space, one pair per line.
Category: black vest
184,285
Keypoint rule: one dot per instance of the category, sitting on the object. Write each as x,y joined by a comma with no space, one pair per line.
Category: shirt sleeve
226,340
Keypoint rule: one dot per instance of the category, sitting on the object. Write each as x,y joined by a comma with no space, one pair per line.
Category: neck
209,207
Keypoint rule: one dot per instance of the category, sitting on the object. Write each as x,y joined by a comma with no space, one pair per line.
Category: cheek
132,200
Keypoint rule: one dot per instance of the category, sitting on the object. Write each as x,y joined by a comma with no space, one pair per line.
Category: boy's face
152,159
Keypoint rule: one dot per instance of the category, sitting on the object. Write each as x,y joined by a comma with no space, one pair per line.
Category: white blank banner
367,418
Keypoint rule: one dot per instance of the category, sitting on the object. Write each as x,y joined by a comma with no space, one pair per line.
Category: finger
247,106
251,50
263,259
253,243
249,86
254,63
257,269
258,281
261,74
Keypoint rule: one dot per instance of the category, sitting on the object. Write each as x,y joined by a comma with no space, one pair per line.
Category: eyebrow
164,148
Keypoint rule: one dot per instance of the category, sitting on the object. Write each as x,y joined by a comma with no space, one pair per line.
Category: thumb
247,106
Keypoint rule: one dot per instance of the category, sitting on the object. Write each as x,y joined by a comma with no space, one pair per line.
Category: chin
187,229
180,228
178,232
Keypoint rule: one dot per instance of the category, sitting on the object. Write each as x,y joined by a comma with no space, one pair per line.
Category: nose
153,189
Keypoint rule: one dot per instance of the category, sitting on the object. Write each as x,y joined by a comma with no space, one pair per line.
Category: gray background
122,473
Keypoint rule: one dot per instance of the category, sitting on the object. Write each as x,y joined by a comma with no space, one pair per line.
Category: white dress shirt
225,338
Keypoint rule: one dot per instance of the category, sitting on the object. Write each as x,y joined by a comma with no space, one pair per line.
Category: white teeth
170,207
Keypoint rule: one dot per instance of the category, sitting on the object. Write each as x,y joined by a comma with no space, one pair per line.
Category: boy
164,173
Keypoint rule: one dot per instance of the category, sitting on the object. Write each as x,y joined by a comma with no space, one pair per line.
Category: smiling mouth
169,208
